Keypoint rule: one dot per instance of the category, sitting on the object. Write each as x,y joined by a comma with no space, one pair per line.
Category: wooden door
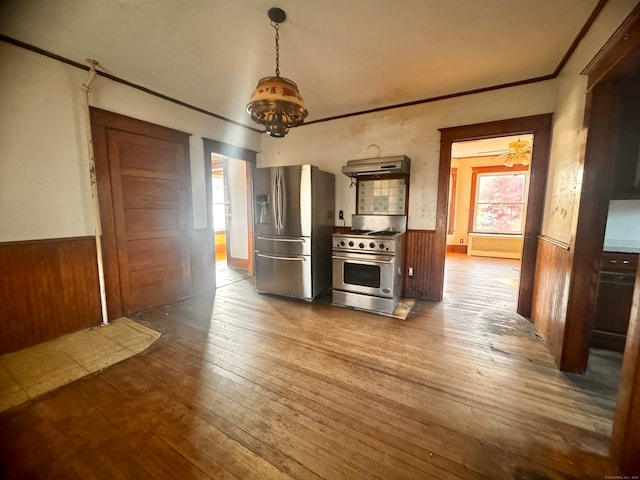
149,194
145,212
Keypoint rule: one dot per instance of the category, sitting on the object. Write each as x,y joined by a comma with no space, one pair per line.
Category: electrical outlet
461,240
341,215
411,271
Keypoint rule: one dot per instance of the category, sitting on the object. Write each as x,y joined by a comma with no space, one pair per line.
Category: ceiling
345,56
486,147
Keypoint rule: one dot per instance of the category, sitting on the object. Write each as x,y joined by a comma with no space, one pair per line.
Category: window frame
496,169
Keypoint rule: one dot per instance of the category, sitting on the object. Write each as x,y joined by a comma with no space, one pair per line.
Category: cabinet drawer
618,262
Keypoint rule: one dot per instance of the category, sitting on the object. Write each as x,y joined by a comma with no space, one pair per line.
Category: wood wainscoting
341,229
550,293
418,254
48,288
457,249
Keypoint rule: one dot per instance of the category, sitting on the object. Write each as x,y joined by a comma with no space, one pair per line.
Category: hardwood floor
226,275
255,386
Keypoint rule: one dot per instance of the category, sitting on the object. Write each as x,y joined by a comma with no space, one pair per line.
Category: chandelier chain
277,29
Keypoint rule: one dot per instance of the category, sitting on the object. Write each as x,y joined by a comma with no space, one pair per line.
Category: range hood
399,165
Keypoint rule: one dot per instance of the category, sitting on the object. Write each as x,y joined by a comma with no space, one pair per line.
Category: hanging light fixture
518,153
276,103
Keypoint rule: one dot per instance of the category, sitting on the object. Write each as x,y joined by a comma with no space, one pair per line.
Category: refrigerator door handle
296,240
277,199
280,199
274,194
283,201
294,259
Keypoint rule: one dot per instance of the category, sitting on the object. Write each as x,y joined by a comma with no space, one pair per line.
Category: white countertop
622,246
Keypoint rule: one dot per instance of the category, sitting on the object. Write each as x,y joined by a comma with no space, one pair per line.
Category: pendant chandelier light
276,103
518,153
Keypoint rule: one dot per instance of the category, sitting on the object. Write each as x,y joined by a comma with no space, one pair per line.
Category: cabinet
626,183
615,293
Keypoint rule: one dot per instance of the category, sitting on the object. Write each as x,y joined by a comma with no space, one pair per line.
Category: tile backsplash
382,197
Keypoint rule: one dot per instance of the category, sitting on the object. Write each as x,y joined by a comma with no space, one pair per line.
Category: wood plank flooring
249,386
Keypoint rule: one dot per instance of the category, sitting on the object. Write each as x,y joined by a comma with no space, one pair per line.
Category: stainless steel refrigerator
294,217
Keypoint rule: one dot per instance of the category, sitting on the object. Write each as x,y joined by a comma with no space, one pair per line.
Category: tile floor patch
36,370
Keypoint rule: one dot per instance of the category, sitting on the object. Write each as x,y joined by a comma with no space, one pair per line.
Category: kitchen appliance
368,262
294,215
398,165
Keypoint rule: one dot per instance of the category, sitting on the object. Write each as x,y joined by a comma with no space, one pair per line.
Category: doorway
230,218
540,127
229,187
488,194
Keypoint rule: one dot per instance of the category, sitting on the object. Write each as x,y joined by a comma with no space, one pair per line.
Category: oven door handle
293,259
365,262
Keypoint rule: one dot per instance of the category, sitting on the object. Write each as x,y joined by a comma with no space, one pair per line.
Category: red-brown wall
47,288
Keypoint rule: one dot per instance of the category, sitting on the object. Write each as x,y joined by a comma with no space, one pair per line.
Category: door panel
148,189
147,253
152,221
150,202
154,286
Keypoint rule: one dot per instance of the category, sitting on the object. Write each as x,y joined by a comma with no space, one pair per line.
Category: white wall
569,136
44,189
238,232
44,192
412,131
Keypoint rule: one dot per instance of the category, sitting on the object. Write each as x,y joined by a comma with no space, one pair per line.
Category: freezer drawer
288,275
283,245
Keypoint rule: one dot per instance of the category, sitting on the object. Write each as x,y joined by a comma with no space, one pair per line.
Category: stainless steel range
368,262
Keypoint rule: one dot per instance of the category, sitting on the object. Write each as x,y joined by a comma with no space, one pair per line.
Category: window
499,200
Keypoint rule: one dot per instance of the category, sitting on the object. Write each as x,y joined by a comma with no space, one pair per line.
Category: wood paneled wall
47,288
550,293
418,247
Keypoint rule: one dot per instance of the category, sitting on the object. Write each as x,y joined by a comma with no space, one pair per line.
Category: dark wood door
150,205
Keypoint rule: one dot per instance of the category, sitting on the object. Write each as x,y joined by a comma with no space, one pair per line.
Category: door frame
540,127
221,163
231,151
619,57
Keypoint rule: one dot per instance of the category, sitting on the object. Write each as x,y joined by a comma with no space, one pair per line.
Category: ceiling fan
519,152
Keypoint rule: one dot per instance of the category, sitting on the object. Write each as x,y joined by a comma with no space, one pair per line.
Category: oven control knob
361,245
382,246
372,245
342,243
351,244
